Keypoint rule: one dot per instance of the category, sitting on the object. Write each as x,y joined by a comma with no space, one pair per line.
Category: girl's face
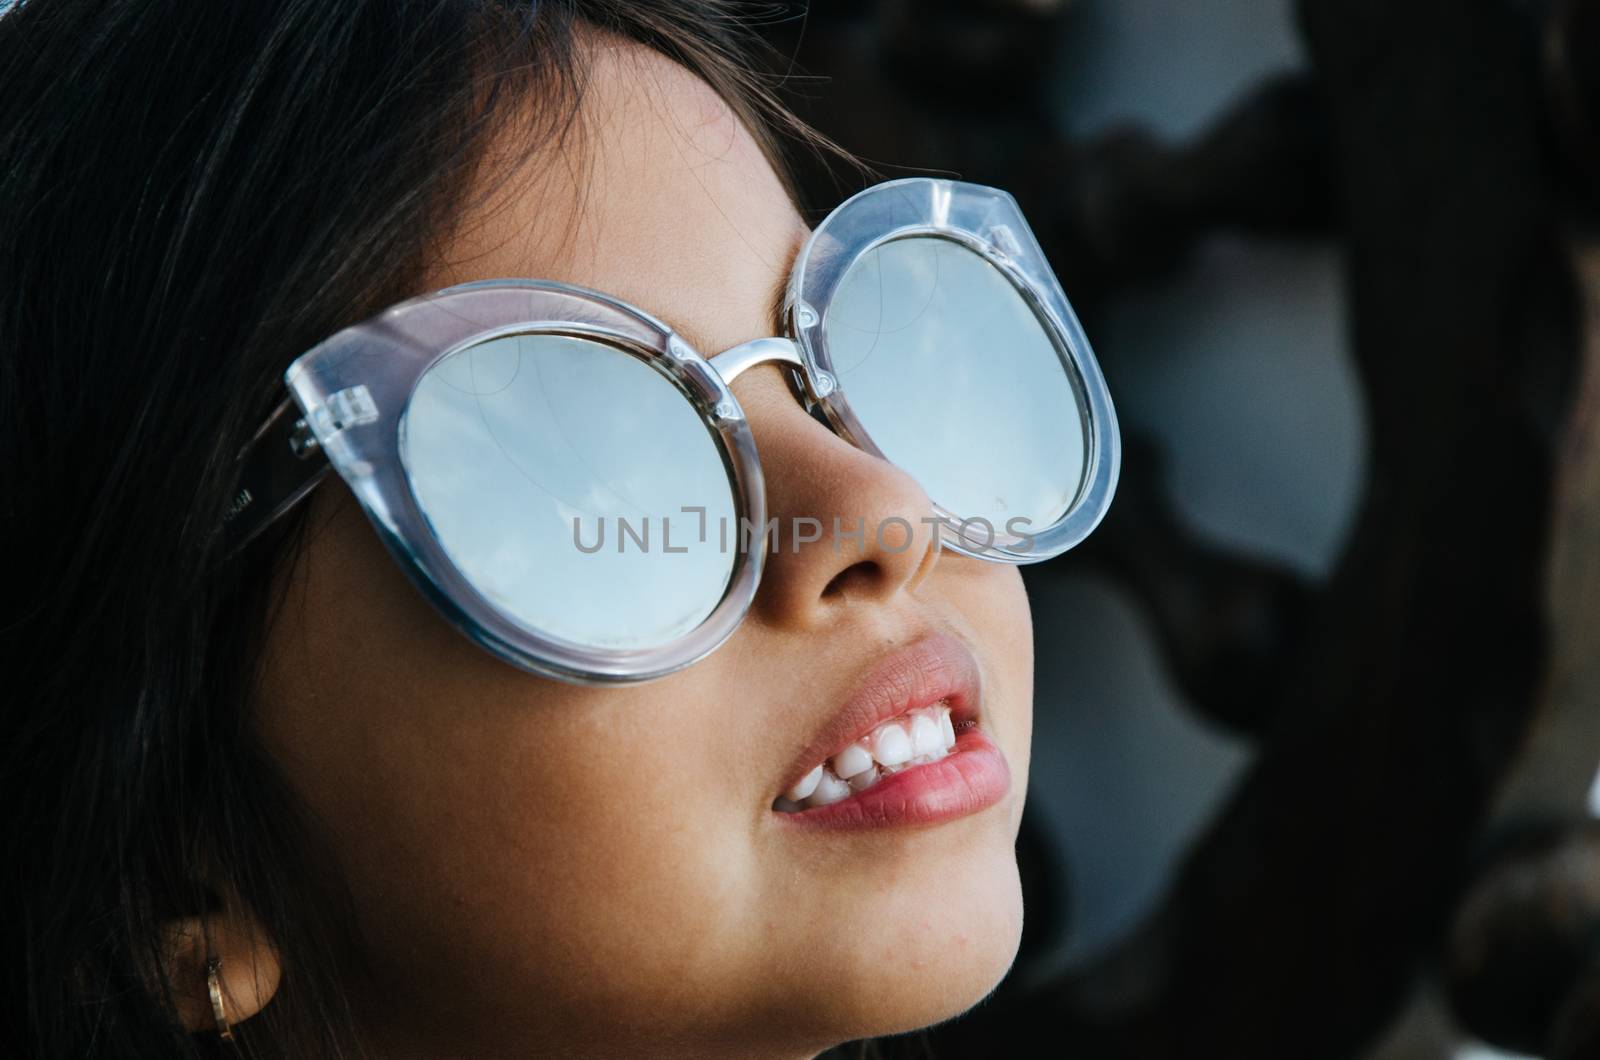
547,869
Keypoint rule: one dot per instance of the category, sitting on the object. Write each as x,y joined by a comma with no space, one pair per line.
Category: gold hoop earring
213,984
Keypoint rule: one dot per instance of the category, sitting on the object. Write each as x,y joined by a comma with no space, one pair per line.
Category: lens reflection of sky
957,381
508,441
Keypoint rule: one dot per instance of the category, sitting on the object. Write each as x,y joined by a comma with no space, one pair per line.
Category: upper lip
935,667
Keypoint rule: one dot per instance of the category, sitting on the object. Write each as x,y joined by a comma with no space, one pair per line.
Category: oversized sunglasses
577,489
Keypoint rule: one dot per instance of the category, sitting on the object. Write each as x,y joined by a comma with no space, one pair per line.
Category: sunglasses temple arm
277,468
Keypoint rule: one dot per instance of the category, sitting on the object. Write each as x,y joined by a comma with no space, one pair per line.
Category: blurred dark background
1318,707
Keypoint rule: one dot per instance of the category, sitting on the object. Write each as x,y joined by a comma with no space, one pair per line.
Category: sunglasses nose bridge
736,360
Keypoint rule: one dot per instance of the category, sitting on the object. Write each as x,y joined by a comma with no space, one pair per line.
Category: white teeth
864,780
853,760
807,785
921,736
891,746
927,736
829,789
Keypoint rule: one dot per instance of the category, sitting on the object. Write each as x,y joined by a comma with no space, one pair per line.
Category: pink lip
973,776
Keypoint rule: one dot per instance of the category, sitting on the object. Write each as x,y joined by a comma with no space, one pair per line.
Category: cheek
988,602
991,603
505,836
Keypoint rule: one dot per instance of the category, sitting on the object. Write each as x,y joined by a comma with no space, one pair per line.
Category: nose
847,527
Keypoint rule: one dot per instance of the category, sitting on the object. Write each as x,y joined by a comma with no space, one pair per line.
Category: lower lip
972,777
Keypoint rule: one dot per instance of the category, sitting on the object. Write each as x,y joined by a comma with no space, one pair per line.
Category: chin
954,934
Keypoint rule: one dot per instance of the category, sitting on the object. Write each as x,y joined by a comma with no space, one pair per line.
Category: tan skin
555,870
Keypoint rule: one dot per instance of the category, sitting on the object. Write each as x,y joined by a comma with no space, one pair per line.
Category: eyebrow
780,294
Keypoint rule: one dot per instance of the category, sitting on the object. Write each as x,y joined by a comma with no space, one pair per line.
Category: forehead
660,196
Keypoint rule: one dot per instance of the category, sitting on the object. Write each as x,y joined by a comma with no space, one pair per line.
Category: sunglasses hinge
350,407
302,443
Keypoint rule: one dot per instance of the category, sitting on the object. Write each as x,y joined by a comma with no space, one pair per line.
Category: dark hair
192,193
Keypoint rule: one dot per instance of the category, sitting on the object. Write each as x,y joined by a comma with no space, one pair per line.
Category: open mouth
905,749
918,737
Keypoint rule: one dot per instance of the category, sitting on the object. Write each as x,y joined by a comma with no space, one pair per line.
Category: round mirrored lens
957,381
555,472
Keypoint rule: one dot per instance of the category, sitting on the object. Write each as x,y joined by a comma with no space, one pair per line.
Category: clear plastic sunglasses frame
348,395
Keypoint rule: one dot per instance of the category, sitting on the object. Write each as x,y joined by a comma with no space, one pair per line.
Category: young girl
264,794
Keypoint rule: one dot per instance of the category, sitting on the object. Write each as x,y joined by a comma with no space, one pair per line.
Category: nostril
860,575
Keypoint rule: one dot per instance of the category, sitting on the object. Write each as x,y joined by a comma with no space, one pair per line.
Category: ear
248,969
